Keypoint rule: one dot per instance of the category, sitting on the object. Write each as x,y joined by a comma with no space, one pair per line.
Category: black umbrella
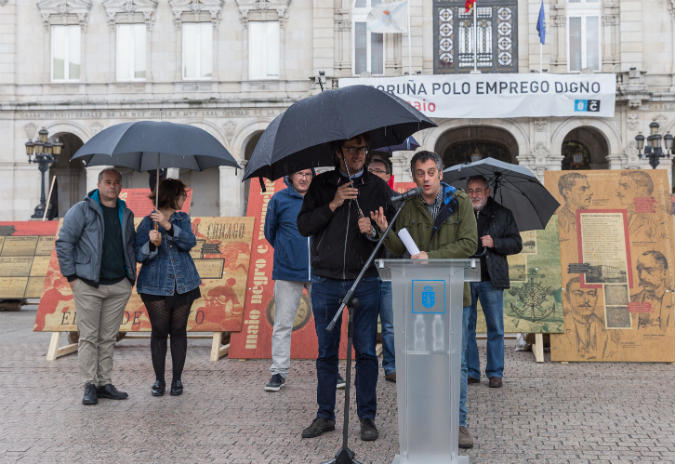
299,138
513,186
151,145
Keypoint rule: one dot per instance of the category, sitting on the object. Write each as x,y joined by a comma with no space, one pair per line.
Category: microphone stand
344,454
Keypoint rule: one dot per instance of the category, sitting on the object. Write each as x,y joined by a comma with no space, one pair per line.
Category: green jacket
456,237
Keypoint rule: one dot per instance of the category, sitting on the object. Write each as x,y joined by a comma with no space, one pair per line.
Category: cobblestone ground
545,413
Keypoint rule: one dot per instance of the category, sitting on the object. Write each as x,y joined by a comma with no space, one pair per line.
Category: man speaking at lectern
442,224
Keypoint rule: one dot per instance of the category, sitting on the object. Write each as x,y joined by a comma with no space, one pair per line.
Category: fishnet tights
168,320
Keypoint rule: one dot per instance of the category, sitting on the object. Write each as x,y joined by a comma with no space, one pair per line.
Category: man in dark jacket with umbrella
335,212
497,237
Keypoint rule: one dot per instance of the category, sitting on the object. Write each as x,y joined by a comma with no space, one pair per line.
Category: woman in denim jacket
168,282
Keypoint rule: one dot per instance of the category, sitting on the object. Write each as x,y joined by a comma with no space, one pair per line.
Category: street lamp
653,151
44,153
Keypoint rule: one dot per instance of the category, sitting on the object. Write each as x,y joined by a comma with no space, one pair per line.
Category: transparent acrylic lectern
427,304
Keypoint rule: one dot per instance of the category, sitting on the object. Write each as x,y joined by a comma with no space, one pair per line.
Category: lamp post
44,153
653,151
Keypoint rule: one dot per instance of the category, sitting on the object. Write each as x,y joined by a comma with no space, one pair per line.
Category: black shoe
318,427
90,396
158,388
109,391
368,430
340,384
176,387
275,383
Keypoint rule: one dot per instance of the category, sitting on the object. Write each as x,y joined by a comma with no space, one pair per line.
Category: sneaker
318,427
368,430
275,383
340,384
465,438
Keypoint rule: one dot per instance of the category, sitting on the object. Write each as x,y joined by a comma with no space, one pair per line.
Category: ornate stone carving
671,6
61,9
212,7
540,125
228,129
262,9
113,8
3,2
31,130
633,121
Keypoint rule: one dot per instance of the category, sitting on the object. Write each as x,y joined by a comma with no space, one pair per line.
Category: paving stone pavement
545,413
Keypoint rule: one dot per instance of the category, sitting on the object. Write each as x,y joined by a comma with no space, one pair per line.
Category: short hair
382,161
572,281
337,144
425,156
641,179
169,191
478,178
658,256
113,170
569,180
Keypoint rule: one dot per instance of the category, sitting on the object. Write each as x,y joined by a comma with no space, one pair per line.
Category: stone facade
313,36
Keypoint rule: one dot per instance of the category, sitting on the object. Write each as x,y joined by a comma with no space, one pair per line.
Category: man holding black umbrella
335,212
497,237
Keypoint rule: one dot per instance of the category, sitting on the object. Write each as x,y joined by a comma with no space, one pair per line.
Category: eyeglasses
303,174
355,150
377,171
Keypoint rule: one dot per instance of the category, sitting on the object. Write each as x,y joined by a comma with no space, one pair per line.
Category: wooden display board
616,256
25,247
222,257
533,303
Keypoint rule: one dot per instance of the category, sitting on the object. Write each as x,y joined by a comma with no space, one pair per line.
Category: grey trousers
99,315
286,300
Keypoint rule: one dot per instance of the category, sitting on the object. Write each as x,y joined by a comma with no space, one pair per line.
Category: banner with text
501,95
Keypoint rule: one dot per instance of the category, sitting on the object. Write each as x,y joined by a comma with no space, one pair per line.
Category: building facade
75,67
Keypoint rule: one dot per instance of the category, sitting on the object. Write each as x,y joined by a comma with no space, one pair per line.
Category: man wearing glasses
336,214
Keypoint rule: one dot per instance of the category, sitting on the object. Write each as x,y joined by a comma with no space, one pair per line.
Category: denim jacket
168,269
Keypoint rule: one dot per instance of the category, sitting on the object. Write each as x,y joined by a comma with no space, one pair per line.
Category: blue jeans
492,301
326,297
387,322
465,371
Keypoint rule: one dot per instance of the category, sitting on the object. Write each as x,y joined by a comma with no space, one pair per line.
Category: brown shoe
472,380
465,438
495,382
390,377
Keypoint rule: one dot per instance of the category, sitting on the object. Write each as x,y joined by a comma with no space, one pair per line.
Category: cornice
113,8
263,9
212,7
62,8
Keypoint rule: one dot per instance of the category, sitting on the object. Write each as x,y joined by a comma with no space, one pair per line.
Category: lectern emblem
428,297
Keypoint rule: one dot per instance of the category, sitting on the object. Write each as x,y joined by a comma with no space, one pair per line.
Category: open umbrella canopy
512,186
301,136
148,145
408,144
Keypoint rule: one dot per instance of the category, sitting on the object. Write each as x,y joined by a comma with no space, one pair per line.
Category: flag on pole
389,17
468,4
541,24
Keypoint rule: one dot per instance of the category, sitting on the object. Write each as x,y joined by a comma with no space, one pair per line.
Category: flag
468,4
389,17
541,24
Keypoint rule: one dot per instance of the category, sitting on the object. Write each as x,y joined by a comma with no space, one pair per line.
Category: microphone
404,196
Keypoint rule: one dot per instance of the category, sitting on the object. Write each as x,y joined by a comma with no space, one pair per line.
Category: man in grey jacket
95,249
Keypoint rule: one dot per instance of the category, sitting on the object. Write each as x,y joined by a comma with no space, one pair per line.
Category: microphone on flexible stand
404,196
